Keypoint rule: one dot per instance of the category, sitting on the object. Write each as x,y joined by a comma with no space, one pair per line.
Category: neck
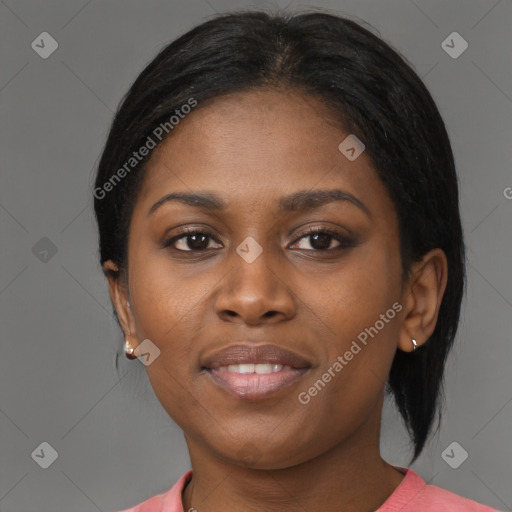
350,476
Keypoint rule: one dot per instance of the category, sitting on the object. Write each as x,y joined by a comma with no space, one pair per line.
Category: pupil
323,237
200,245
319,241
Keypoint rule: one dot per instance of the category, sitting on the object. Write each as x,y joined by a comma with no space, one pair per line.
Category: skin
250,149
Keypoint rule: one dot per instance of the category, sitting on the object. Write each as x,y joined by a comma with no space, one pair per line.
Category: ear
422,298
120,298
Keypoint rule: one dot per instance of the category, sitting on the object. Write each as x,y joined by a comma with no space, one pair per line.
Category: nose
256,292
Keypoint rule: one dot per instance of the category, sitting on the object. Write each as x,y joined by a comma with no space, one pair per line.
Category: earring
415,345
129,351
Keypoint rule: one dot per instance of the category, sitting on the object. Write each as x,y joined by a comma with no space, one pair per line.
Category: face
314,277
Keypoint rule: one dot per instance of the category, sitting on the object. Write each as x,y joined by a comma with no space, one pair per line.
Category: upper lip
246,354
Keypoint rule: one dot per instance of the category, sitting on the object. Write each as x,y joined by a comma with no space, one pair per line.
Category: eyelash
345,242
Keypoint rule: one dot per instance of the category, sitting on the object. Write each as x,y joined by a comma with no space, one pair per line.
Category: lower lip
253,386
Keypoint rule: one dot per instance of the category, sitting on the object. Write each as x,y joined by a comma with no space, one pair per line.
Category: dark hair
373,93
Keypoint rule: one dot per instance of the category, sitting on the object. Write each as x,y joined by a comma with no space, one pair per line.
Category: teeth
241,368
260,368
267,368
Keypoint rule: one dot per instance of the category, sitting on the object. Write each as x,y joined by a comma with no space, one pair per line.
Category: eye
320,239
191,240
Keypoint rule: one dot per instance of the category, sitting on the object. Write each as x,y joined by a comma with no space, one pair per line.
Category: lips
254,372
254,354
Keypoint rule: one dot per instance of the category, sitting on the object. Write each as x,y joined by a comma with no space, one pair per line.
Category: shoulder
169,501
413,494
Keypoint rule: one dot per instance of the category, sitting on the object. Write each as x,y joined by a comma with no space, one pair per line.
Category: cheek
171,311
164,296
357,314
355,295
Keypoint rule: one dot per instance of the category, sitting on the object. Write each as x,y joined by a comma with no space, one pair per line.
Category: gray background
116,446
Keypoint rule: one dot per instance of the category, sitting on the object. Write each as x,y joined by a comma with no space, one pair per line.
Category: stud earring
129,351
415,345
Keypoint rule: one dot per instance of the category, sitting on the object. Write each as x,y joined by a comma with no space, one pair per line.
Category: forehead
255,145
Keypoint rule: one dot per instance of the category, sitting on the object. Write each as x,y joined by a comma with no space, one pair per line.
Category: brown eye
190,241
321,240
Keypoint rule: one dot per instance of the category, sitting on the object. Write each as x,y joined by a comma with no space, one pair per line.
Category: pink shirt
412,495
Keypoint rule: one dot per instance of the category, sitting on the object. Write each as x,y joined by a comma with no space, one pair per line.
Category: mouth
254,372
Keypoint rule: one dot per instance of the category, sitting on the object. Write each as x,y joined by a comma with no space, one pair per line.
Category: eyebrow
302,200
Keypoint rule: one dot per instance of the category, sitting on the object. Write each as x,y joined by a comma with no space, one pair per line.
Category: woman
279,226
